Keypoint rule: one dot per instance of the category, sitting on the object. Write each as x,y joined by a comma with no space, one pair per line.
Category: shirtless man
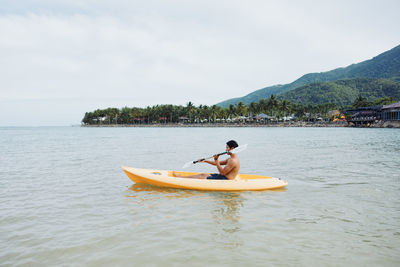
229,172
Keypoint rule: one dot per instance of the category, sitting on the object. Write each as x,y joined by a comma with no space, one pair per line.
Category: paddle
235,151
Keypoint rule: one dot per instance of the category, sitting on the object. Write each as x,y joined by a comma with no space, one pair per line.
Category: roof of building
365,108
394,105
263,116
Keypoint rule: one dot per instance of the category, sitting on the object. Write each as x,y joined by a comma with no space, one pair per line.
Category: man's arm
223,171
222,162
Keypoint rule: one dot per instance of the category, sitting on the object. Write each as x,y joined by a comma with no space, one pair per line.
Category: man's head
231,145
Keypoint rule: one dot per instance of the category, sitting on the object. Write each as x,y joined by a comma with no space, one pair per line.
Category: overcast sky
59,59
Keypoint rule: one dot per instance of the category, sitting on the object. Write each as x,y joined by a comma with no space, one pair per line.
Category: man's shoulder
234,160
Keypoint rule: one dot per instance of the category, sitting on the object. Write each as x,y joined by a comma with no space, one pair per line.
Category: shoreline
386,124
225,125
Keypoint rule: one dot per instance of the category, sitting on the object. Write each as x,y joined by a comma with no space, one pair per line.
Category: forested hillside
385,65
343,92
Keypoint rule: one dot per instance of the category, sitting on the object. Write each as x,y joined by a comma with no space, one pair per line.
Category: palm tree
240,108
262,105
285,107
231,110
189,109
273,104
148,113
253,109
125,115
206,112
222,113
214,109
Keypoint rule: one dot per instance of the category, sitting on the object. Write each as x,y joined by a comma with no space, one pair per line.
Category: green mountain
385,65
343,92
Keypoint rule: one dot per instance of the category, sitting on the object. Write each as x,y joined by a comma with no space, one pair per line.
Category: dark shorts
217,176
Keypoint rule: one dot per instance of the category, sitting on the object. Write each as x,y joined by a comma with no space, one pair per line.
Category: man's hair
232,144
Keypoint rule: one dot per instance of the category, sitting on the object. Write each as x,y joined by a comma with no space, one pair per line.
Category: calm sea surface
64,200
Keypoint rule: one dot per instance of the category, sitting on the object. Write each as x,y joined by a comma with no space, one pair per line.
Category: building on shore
391,112
365,115
369,115
263,117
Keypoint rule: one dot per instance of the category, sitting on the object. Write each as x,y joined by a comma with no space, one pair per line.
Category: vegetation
363,102
275,108
343,92
385,65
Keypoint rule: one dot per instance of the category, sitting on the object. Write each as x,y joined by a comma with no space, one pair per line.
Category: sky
60,59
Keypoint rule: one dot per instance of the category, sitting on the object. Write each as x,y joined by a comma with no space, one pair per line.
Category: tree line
275,109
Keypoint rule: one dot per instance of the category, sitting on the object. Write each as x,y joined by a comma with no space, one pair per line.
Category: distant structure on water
369,115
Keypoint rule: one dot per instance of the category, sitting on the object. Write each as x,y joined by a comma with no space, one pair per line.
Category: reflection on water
156,192
229,211
226,215
226,212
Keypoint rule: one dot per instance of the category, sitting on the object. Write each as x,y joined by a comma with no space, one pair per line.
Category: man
229,172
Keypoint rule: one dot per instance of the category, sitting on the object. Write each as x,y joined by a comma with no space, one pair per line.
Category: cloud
137,54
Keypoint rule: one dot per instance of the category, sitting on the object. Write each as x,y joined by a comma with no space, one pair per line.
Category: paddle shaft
235,150
200,160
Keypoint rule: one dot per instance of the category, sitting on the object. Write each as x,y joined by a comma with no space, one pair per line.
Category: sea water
64,199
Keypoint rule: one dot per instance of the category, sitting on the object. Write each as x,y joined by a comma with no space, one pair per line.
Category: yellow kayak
164,178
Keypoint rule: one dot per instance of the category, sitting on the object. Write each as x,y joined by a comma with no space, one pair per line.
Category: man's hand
216,158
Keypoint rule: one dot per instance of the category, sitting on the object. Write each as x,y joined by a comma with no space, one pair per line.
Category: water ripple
65,200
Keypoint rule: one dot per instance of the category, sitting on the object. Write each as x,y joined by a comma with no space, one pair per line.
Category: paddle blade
239,149
187,164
